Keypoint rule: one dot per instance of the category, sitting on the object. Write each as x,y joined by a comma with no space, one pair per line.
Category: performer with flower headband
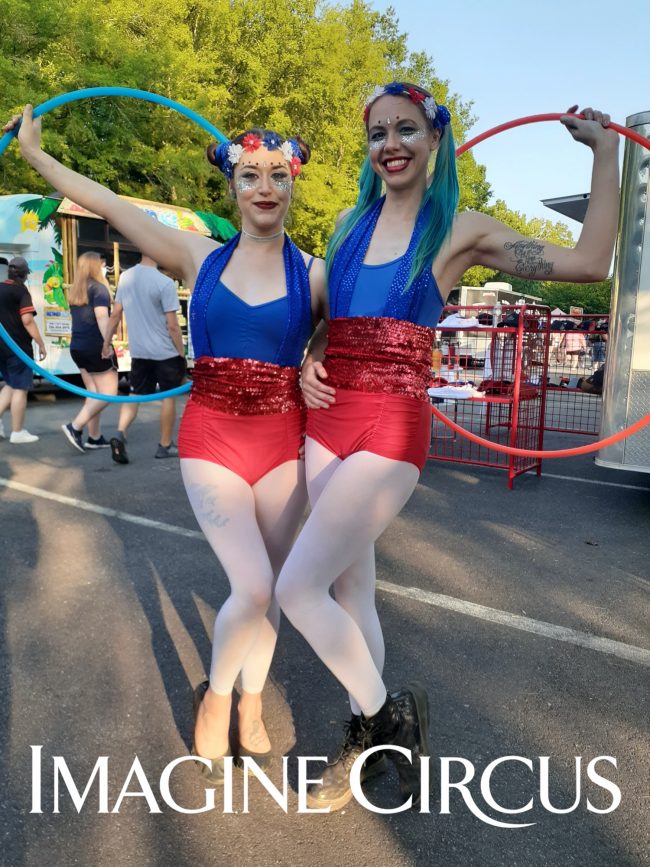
252,311
391,263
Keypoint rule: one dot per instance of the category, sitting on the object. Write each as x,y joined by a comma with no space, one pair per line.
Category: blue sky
520,58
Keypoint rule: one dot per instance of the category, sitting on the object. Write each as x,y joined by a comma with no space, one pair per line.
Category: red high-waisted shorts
380,368
389,425
249,445
245,415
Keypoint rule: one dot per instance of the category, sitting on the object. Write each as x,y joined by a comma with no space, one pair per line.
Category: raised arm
481,240
181,252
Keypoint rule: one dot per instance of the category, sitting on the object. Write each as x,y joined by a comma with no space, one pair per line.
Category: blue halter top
222,325
398,301
370,294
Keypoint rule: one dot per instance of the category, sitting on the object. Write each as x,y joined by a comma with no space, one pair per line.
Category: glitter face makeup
410,138
245,184
283,183
249,181
408,135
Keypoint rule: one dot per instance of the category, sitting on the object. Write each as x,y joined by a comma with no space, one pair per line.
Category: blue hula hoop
83,392
44,108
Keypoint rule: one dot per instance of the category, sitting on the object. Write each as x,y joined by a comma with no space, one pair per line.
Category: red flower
251,142
295,165
415,95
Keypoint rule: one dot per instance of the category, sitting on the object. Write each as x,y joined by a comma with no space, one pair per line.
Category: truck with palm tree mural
51,232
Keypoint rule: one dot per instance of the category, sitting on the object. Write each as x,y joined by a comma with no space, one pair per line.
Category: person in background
593,384
149,301
574,345
90,304
17,315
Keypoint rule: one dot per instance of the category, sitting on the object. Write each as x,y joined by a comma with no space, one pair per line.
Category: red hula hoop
551,453
540,118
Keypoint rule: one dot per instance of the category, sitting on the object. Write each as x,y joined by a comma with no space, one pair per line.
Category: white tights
250,529
353,501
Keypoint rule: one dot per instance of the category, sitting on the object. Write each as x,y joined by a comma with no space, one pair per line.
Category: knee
285,593
256,601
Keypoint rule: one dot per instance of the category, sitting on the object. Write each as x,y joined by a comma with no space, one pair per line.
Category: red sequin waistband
244,386
379,354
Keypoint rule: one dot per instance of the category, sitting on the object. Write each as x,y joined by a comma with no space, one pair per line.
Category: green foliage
592,297
299,66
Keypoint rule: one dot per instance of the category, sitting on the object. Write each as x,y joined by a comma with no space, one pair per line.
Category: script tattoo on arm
205,499
528,258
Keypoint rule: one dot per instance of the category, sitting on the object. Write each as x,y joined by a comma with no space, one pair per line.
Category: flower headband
437,115
228,154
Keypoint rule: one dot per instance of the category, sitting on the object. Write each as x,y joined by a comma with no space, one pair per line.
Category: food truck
51,232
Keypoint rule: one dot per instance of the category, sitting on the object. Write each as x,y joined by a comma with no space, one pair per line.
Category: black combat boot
335,792
402,721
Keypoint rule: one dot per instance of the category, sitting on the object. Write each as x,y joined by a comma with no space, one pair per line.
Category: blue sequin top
370,294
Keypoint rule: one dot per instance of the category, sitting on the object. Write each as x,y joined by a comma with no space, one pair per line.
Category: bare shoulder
200,248
342,215
316,271
317,268
462,249
317,282
470,226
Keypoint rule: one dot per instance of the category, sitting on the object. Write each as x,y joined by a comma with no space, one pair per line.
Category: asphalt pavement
524,612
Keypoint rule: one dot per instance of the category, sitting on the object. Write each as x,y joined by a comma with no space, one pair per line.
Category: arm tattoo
205,499
528,258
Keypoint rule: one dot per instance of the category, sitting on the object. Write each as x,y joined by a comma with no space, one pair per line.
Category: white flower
234,153
287,151
377,92
430,107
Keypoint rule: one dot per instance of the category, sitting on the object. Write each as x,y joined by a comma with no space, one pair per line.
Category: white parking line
546,475
525,624
100,510
471,609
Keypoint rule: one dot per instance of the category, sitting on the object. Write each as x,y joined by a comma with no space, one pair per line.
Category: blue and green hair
440,197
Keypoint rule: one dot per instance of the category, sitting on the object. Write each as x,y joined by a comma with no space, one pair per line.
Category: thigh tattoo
206,498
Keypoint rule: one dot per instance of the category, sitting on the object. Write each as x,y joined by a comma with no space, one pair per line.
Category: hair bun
305,150
211,152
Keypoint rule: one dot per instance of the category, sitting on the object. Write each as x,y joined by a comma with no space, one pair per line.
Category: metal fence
505,358
577,350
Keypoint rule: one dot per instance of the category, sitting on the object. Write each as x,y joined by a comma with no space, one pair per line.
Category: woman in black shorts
90,304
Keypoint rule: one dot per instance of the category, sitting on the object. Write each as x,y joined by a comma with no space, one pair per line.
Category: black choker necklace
262,237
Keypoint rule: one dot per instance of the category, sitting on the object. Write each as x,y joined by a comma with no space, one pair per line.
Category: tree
300,66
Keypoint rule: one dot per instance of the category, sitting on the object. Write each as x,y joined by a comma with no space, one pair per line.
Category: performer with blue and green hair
391,263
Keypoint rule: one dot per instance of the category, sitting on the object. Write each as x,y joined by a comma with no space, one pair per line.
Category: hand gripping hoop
44,108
